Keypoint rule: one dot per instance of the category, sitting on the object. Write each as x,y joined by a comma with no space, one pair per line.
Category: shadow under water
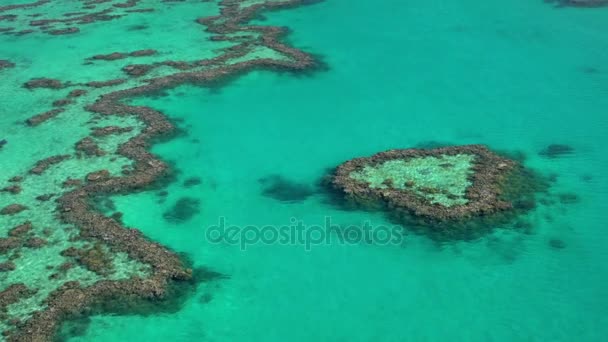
183,210
284,190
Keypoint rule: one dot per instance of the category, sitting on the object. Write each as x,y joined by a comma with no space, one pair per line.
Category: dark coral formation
89,148
109,83
13,189
12,295
121,55
20,230
44,164
77,93
190,182
70,182
43,83
5,64
59,26
44,198
109,57
94,259
9,244
40,118
98,176
34,242
69,30
282,189
483,195
109,130
61,102
499,189
7,266
557,243
183,210
12,209
142,53
19,237
136,70
556,151
568,198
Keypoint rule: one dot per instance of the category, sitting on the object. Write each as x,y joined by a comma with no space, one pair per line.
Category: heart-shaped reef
452,190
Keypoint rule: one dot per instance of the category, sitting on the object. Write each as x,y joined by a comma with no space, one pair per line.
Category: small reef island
445,190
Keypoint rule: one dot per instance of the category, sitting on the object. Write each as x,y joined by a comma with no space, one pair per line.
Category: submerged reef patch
556,243
455,191
122,55
43,83
282,189
12,209
192,181
42,165
183,210
556,151
109,130
5,64
42,117
568,198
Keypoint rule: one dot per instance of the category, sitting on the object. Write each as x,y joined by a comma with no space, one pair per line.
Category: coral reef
77,93
122,55
136,70
95,259
88,147
20,230
11,295
109,130
12,209
34,242
43,83
44,164
42,117
443,189
13,189
7,266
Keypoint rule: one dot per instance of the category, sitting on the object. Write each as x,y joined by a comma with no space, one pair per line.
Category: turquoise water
516,76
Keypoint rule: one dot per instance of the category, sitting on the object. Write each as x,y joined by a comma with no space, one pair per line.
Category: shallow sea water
516,75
